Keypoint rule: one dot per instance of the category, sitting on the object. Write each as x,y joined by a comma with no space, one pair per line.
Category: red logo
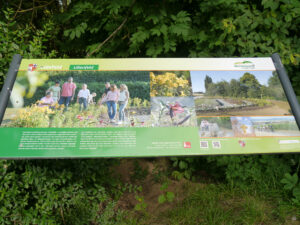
187,144
32,67
242,143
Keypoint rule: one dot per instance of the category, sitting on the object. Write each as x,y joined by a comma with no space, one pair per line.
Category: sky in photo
197,77
273,119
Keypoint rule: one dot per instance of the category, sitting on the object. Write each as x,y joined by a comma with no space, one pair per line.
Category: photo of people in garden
80,99
173,111
238,93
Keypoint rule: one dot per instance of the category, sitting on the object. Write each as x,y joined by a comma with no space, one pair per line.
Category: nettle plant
292,184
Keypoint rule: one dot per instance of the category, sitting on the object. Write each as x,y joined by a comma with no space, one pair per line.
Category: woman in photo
123,100
111,100
47,101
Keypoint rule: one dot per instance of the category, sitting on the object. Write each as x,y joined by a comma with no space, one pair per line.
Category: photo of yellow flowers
170,84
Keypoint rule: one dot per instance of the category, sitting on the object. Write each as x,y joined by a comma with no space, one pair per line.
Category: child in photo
55,89
47,100
91,98
82,97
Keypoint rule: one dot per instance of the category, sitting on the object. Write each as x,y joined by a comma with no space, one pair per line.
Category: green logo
245,65
84,67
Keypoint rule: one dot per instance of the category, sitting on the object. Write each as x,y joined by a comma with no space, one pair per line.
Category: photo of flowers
171,84
173,111
79,99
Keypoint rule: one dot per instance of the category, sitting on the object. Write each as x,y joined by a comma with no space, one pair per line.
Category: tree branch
113,33
19,7
33,8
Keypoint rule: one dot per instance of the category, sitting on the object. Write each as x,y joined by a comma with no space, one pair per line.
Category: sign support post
287,87
9,83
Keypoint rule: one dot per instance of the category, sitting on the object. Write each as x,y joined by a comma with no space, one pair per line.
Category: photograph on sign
238,93
79,99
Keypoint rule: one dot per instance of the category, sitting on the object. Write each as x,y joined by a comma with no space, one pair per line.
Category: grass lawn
207,202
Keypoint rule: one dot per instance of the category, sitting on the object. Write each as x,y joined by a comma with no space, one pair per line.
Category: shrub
57,192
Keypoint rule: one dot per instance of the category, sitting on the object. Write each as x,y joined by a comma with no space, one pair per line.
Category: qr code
203,144
216,144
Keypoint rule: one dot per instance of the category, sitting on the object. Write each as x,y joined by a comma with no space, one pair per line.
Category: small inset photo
242,127
203,144
216,144
214,127
275,126
173,111
173,83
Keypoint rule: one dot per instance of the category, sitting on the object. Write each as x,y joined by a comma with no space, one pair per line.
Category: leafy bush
57,192
137,89
22,39
33,116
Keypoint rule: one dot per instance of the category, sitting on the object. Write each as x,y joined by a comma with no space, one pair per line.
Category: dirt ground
277,108
151,189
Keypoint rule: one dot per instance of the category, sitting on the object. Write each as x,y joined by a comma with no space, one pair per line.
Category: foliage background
38,191
138,83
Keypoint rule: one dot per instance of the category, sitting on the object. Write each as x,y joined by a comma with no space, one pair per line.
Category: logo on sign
245,65
32,67
187,144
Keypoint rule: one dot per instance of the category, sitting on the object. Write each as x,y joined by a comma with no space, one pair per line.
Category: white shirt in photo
84,93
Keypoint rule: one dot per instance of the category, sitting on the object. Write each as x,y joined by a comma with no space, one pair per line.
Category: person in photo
55,89
111,100
47,101
106,90
68,93
91,98
82,97
123,101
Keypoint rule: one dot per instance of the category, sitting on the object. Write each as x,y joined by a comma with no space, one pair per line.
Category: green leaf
161,199
78,33
296,192
72,35
289,181
183,165
170,196
164,186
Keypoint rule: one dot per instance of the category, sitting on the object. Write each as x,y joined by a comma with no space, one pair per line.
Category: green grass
221,204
